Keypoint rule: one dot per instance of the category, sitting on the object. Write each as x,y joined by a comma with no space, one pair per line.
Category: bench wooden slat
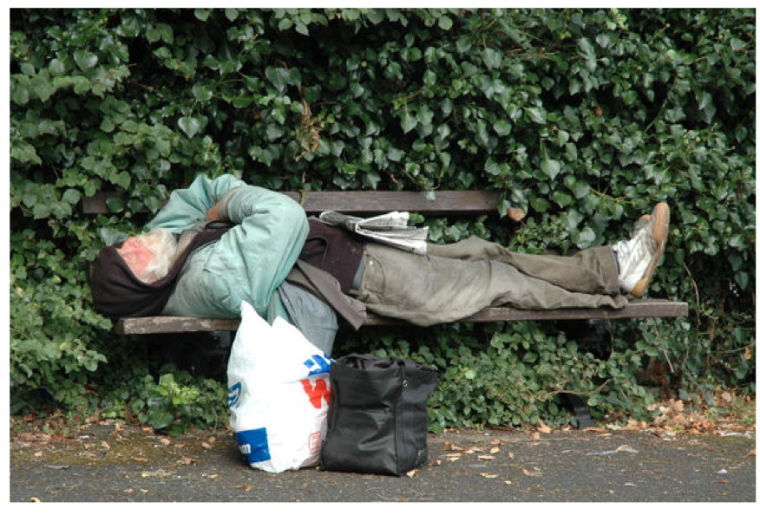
366,202
638,308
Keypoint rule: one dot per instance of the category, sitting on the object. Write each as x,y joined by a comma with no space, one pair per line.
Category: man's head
149,256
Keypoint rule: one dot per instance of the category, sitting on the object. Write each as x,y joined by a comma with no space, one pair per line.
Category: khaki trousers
458,280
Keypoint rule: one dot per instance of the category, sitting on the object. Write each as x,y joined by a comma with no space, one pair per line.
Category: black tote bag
377,421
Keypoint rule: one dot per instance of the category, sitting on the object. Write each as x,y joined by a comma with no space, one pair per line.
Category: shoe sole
661,215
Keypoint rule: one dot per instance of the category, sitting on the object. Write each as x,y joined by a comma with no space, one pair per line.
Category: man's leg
588,271
427,290
627,265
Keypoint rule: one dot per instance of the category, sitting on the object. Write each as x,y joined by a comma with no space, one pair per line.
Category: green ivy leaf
189,125
71,196
550,167
491,58
408,122
85,59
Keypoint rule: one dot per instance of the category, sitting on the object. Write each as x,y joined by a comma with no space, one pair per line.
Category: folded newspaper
389,228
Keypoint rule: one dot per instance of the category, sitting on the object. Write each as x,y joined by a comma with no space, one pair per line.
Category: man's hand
213,215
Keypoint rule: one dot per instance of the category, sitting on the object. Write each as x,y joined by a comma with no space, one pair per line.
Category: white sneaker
638,257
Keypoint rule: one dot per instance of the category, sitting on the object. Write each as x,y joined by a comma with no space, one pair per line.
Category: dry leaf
165,441
155,473
139,458
515,213
486,457
212,476
535,435
205,445
532,473
495,450
449,446
34,499
38,453
186,460
129,490
245,488
496,442
543,428
489,476
412,472
105,445
507,482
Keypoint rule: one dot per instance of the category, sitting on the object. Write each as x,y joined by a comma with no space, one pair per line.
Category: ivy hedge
582,118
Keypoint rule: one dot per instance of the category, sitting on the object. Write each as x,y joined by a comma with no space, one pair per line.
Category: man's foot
638,257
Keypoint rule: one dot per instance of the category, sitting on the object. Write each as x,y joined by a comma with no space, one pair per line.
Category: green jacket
249,262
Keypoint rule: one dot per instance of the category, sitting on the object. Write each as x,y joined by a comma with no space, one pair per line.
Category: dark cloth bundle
377,421
116,292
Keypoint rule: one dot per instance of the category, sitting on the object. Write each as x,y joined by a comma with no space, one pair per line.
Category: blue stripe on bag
254,444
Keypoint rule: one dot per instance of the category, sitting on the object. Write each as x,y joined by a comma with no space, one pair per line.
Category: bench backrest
368,202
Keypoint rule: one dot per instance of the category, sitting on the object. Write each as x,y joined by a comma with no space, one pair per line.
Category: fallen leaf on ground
495,450
486,457
532,473
186,460
155,473
622,448
489,476
412,472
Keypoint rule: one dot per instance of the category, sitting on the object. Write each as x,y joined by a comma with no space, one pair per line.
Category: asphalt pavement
130,464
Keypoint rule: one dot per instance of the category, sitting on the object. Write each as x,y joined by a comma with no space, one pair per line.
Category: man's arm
190,205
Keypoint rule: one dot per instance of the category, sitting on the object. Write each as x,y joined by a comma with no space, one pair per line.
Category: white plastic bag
278,394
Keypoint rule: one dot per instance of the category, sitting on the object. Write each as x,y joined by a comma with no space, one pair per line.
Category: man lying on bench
221,241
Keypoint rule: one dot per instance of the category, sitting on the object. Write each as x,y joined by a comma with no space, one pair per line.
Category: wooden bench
363,203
